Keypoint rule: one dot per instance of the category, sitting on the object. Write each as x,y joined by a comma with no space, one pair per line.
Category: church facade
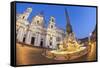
35,33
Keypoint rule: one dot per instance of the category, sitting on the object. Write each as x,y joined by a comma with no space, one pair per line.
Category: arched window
23,17
52,20
51,26
50,43
37,21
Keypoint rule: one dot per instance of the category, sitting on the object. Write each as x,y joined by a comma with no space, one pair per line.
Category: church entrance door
41,44
24,39
32,40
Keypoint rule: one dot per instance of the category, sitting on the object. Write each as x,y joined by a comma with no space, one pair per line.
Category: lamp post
89,38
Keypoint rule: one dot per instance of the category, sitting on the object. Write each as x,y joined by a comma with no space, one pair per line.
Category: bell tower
26,14
51,32
22,25
52,23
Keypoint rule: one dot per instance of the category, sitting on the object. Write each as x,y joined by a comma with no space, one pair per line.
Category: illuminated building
35,33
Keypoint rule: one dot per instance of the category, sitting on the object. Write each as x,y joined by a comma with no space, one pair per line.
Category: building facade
35,32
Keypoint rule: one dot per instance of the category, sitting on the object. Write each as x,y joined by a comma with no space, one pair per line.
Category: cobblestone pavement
32,55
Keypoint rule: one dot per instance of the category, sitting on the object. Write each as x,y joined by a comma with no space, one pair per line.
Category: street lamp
89,37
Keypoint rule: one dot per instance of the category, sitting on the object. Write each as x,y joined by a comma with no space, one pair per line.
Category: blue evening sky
82,19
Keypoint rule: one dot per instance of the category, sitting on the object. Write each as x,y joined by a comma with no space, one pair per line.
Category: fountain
69,48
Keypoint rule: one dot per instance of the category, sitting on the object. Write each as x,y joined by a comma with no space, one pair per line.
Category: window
52,20
23,17
37,21
58,38
50,43
51,26
50,38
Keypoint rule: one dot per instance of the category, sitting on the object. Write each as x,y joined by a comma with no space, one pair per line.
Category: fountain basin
66,55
